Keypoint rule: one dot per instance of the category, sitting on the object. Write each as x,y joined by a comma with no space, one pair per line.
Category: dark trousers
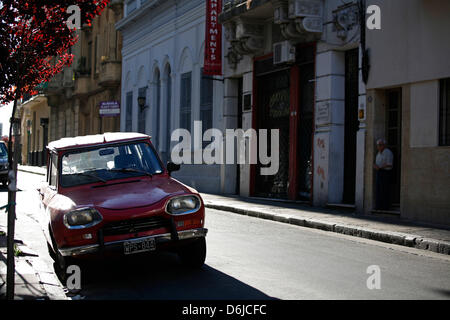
383,189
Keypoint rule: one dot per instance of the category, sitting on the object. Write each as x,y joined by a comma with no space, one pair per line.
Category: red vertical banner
213,39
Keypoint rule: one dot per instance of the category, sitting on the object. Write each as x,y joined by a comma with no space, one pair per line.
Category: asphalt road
250,258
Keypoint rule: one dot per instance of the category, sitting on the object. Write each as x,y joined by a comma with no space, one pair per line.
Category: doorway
394,139
285,98
305,130
351,124
274,104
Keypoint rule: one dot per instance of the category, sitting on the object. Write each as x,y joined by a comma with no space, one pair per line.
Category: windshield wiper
89,175
132,170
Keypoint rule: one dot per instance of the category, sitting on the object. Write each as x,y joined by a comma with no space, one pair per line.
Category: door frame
293,124
397,155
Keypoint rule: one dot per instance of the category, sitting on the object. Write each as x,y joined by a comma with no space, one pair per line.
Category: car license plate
139,245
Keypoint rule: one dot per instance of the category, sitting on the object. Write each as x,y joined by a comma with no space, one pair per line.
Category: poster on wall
213,39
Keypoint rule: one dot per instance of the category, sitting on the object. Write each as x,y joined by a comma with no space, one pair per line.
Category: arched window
185,69
142,95
206,101
168,113
157,101
128,112
185,100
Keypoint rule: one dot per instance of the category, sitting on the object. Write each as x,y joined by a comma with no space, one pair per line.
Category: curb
46,279
30,171
50,282
403,239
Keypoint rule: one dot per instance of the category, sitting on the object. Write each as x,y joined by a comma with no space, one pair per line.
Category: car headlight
183,205
82,218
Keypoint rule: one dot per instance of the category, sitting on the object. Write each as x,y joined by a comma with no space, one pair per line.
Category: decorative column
164,131
230,109
329,122
360,141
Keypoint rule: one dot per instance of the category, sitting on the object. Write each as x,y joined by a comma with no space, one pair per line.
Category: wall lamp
141,102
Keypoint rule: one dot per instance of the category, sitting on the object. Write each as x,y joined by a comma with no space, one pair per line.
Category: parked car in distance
3,163
110,194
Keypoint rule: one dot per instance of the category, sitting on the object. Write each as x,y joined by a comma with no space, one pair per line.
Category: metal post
12,189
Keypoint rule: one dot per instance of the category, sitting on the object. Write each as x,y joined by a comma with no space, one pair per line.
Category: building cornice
138,13
163,32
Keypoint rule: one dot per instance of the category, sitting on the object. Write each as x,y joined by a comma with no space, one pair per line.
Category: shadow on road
160,276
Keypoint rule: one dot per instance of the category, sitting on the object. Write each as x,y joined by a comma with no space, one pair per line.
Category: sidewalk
32,280
390,230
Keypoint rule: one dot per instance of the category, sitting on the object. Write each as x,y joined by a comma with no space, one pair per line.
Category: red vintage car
110,194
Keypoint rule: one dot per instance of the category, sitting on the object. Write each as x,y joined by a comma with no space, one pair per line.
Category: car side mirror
171,167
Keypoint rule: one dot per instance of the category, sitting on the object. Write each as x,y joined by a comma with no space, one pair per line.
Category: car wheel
194,254
61,262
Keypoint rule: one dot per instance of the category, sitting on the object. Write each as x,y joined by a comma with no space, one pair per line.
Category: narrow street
250,258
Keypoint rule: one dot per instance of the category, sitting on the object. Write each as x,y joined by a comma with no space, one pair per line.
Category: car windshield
109,163
3,151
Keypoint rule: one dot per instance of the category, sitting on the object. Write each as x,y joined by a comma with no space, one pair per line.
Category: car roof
98,139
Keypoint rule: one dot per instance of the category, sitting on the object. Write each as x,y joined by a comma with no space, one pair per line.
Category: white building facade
163,53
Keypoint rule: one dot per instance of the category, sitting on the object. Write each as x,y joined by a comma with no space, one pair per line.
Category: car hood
139,192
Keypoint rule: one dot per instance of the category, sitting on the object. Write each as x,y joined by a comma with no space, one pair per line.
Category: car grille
135,225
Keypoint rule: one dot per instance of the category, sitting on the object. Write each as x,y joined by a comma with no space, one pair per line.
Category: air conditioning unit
283,52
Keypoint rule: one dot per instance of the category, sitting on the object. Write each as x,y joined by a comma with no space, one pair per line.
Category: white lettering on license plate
141,245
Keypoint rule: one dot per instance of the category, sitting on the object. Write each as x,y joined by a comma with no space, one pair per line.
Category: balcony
83,84
298,21
55,84
256,9
110,73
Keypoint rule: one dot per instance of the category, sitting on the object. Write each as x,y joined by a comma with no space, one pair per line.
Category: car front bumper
118,245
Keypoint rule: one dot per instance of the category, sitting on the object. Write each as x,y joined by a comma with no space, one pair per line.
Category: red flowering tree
34,46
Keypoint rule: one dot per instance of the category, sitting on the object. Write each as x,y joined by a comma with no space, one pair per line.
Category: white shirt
386,157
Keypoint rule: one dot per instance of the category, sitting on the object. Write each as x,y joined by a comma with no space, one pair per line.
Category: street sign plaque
109,109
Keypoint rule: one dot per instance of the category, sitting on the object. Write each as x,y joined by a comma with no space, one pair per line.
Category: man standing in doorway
383,165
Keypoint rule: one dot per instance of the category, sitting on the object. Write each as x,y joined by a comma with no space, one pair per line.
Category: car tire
61,262
51,252
194,254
